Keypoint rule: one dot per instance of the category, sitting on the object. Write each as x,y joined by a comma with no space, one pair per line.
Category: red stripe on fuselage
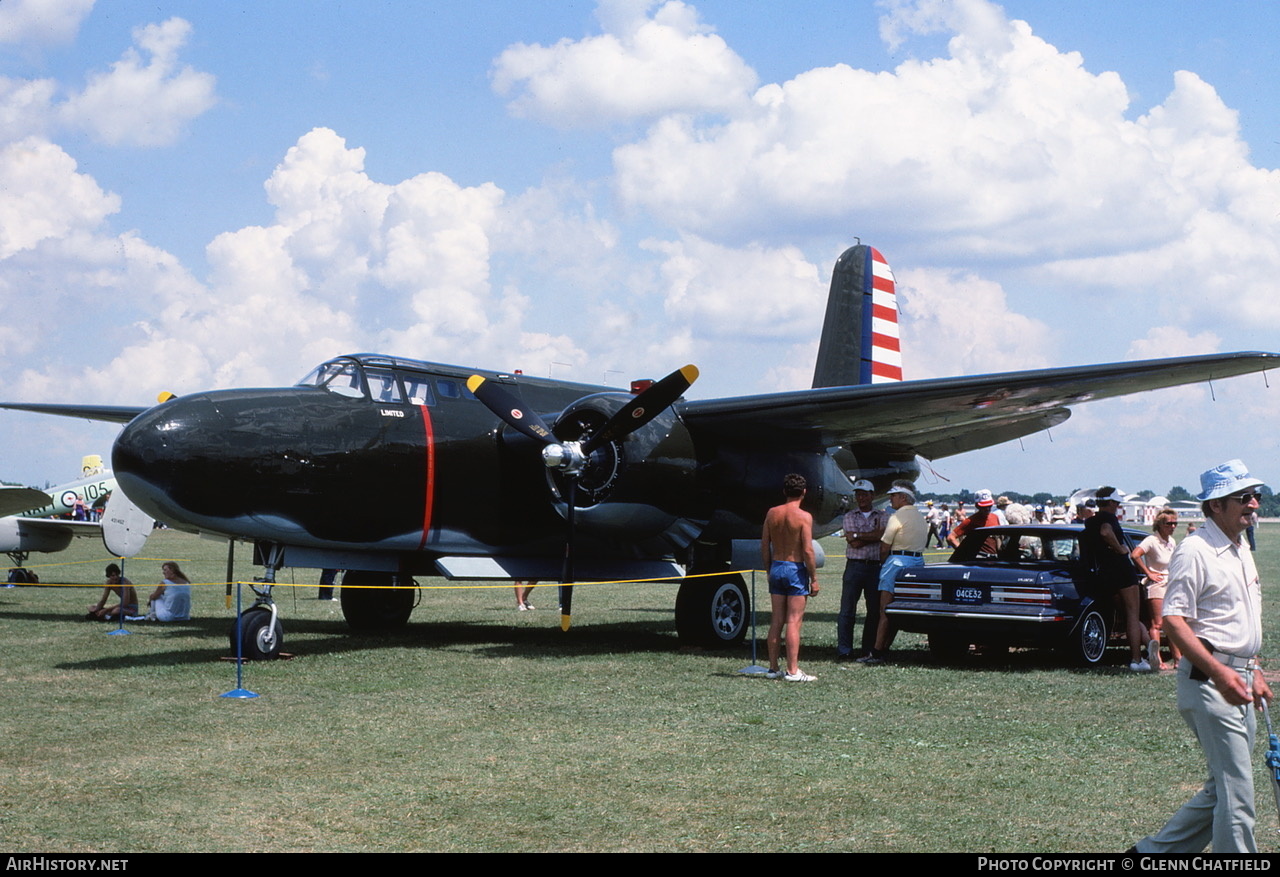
429,487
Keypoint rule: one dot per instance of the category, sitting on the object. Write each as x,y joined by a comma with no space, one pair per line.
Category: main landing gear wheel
713,611
372,609
1088,642
260,640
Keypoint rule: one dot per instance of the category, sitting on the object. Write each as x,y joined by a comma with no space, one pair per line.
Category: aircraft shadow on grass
318,637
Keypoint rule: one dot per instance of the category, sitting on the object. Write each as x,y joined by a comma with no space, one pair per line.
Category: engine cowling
636,487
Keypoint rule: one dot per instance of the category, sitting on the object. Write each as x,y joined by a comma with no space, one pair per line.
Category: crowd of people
1204,596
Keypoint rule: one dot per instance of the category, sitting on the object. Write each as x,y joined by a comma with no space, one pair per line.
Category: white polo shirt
1213,584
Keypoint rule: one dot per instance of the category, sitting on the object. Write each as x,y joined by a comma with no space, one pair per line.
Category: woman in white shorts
1152,557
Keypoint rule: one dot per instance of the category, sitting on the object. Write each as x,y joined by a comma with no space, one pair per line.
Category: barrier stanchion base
242,693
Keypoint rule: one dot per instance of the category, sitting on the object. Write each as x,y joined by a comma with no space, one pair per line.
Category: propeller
569,458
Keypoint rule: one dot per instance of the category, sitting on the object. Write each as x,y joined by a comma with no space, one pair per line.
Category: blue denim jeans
860,580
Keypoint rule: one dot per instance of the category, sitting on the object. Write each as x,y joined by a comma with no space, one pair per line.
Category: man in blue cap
1213,612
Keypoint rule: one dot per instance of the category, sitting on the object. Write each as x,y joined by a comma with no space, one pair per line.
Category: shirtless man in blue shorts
786,551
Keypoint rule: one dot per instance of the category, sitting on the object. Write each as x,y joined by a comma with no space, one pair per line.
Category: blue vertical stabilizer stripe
864,350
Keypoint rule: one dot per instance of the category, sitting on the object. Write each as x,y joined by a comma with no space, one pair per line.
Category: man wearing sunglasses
1212,611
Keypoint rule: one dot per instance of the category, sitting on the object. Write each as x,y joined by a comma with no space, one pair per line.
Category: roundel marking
516,414
68,498
639,412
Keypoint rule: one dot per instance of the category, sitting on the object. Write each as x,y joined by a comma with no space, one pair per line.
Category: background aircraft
26,515
391,468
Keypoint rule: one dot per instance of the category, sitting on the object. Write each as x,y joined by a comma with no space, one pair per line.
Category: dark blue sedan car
1022,586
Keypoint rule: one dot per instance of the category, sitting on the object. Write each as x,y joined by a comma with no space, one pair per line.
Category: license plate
969,594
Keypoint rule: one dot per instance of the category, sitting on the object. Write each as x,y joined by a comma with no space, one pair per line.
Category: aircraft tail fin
91,464
860,332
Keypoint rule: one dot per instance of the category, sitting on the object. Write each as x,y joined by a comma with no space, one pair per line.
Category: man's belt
909,553
1235,662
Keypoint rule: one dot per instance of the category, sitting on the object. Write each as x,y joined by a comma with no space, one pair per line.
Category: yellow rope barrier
449,587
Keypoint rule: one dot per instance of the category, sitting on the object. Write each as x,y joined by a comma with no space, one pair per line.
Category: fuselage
375,454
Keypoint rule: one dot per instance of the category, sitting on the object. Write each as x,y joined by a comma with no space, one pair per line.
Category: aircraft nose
163,455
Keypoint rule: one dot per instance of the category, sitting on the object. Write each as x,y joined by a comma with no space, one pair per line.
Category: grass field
478,728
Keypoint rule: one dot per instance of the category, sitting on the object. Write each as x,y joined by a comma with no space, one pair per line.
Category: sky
202,195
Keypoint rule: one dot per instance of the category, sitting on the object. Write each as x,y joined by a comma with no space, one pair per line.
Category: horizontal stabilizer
14,500
107,413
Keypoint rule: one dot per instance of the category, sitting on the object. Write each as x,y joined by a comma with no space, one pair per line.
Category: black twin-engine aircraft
392,468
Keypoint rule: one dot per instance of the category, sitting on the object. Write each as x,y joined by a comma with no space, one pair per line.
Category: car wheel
260,640
947,647
1088,642
713,611
376,605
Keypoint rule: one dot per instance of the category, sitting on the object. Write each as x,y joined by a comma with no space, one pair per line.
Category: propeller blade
510,408
566,572
569,457
643,407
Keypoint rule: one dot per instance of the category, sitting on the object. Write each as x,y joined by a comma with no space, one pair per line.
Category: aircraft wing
108,413
60,525
939,418
21,499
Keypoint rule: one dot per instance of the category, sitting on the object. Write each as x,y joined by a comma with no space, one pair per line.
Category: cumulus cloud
751,292
955,323
640,67
41,22
1164,341
25,107
42,196
147,97
1006,148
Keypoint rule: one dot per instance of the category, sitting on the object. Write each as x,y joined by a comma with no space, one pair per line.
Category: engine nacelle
634,488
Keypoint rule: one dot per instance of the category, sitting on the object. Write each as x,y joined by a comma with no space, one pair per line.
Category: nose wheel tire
260,640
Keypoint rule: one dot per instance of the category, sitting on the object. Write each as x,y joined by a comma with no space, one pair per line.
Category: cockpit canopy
384,379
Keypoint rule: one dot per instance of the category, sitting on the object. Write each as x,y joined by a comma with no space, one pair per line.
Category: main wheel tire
260,640
713,611
1088,642
375,608
947,648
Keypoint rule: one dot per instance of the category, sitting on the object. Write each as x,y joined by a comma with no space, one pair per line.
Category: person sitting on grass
120,586
172,600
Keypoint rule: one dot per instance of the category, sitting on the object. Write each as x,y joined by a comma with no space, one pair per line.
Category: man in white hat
1213,611
901,545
